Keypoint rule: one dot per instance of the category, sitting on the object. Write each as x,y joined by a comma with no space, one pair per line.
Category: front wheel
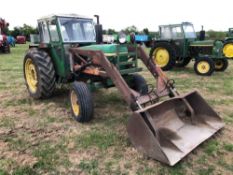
221,64
81,102
204,66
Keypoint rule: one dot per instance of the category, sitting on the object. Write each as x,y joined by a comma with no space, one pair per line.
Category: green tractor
70,50
178,44
228,44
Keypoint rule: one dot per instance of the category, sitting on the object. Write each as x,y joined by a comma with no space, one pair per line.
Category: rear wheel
228,49
163,55
139,84
204,66
81,102
182,62
221,64
39,74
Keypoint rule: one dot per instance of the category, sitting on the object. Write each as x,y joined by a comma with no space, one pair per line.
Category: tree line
26,30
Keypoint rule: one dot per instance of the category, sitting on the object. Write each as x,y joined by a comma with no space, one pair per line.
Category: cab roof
72,15
183,23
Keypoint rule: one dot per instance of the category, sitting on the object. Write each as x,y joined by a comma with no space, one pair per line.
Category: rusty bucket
169,130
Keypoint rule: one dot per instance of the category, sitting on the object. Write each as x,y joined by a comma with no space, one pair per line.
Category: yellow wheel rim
31,75
203,67
228,50
161,56
218,64
74,103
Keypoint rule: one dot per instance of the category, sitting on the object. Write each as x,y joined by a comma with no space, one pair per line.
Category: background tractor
178,44
4,45
70,50
228,44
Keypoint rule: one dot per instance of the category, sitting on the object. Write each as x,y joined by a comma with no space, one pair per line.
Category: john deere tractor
178,44
70,51
228,44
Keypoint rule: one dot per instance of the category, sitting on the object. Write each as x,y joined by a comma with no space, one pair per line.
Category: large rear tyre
228,49
182,62
81,102
163,55
139,84
204,66
39,73
221,64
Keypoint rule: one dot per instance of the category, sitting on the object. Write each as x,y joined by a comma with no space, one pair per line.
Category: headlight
122,38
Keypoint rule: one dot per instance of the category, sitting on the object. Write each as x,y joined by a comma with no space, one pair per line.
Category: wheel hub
203,67
74,103
228,50
31,75
161,56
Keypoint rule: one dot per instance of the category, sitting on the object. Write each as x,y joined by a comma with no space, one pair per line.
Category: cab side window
53,33
44,37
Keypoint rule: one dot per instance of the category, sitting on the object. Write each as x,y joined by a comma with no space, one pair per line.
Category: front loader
164,124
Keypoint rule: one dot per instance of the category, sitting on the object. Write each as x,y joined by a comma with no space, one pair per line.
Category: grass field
40,137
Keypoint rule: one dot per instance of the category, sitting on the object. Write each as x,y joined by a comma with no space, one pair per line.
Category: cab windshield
77,30
189,31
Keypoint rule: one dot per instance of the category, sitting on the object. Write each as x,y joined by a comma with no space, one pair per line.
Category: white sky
119,14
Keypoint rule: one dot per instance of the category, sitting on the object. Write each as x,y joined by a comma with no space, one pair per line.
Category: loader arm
163,85
98,58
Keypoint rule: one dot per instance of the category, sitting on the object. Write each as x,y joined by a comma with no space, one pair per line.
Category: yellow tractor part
31,75
161,56
203,67
228,50
74,103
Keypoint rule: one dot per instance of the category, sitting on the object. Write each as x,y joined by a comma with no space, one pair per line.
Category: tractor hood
207,43
107,49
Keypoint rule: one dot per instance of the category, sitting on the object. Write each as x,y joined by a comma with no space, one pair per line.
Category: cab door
57,49
179,40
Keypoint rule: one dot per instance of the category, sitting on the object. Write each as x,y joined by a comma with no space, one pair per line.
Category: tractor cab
59,33
182,31
67,29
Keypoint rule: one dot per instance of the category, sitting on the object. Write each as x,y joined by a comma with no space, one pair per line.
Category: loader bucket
169,130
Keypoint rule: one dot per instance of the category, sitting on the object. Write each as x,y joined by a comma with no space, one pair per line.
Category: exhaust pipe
98,31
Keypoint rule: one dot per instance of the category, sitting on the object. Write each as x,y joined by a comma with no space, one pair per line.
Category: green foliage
146,31
100,139
206,171
24,171
211,34
47,155
212,147
110,31
25,30
2,172
228,147
90,167
130,29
